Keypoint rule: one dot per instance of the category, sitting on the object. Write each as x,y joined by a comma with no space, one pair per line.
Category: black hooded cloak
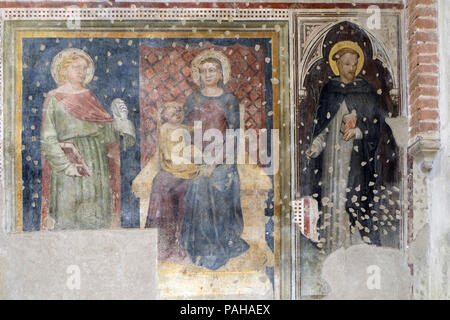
366,156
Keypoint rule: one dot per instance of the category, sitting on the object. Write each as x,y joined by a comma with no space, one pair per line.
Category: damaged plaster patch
367,272
441,271
3,287
101,264
420,200
418,254
3,268
399,127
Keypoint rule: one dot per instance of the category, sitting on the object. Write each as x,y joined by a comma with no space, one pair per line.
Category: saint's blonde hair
65,63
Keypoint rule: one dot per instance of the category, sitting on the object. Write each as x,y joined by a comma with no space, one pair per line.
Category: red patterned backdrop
165,75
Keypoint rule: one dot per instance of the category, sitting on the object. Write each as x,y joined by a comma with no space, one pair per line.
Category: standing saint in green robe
80,147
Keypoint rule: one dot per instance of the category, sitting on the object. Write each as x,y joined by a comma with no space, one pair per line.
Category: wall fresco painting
221,86
95,124
349,162
79,113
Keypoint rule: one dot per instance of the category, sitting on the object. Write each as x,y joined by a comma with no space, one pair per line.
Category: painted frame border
13,31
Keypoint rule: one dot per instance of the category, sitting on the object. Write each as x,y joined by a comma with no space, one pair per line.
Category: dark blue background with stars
111,80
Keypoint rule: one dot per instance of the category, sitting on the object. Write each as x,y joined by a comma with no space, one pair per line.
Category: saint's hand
350,134
313,152
350,124
119,109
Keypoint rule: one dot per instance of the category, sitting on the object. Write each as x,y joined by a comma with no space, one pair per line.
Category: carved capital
424,150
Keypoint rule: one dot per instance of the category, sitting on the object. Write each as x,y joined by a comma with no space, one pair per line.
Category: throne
241,276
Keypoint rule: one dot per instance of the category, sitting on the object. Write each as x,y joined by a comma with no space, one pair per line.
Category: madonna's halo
211,53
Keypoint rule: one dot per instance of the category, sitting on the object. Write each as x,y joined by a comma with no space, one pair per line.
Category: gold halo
346,44
211,53
64,53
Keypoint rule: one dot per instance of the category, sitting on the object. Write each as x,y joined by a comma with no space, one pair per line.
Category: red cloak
84,106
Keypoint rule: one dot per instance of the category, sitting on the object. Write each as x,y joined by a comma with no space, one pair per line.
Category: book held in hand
348,122
74,156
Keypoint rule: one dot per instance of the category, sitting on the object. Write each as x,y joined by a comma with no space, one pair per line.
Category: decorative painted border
208,4
1,98
281,102
73,12
2,161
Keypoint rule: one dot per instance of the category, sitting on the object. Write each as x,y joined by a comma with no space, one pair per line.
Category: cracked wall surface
367,272
118,264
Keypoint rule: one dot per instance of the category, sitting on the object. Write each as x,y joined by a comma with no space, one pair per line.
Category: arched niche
317,50
315,72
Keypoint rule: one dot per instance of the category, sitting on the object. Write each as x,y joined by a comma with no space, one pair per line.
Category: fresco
95,121
80,147
349,159
199,208
64,187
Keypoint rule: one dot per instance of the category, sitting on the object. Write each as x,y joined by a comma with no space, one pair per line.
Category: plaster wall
104,264
439,199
